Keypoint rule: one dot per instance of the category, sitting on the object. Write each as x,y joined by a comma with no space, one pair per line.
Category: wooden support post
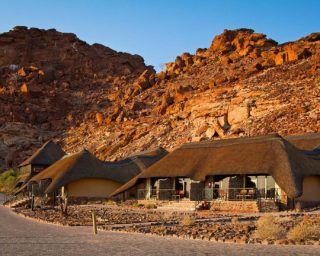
32,198
54,199
32,203
148,186
94,223
65,208
265,187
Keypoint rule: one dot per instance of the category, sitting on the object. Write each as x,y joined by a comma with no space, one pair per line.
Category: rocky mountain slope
50,82
54,85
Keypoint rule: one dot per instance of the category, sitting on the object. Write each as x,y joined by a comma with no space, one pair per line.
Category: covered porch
241,187
175,188
214,188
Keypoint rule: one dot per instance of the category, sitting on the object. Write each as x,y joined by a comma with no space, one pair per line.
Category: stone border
38,219
222,241
100,228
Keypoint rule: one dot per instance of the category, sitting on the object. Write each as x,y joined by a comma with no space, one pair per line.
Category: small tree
64,205
63,200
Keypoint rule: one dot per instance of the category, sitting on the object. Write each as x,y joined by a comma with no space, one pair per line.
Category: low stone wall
234,206
306,204
268,206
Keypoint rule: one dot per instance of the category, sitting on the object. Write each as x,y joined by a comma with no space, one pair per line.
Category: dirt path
19,236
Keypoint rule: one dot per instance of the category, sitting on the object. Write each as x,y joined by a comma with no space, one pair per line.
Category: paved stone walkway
20,236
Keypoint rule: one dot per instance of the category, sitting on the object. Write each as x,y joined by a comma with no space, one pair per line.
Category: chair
221,194
243,193
252,193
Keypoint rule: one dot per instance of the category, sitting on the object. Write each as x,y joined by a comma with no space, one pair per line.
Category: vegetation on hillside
8,181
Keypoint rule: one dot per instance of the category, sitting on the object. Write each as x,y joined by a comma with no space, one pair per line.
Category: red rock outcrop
53,81
53,85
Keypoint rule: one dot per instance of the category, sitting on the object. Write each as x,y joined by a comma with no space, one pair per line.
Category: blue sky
161,30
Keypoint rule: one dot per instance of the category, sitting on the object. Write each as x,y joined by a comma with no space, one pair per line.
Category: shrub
304,232
298,207
8,181
187,221
246,226
307,229
137,205
234,220
151,206
158,229
109,202
268,228
166,216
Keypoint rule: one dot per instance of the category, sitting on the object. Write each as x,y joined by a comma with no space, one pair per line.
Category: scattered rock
237,114
243,84
210,132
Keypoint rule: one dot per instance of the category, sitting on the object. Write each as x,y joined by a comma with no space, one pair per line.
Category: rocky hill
54,85
51,82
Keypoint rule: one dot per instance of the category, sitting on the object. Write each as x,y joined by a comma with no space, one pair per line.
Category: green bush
8,181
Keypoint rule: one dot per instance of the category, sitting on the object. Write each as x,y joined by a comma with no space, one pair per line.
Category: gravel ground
2,198
20,236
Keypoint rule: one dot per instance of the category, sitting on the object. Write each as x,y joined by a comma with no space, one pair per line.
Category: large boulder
237,114
145,80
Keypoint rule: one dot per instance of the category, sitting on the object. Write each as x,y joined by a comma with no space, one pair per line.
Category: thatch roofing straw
85,165
73,167
263,155
46,155
128,168
314,154
307,141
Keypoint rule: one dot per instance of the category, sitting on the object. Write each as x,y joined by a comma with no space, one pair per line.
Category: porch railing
229,194
157,194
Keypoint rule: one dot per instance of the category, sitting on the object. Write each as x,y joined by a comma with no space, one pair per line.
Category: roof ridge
233,141
118,163
305,135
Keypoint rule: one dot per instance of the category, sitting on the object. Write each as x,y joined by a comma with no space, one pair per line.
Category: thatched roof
48,154
314,154
128,168
74,167
23,177
307,141
85,165
263,155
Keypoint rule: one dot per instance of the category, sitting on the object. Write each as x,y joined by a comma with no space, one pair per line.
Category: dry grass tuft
307,229
187,220
151,206
268,228
109,202
246,226
158,229
234,220
166,216
139,205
